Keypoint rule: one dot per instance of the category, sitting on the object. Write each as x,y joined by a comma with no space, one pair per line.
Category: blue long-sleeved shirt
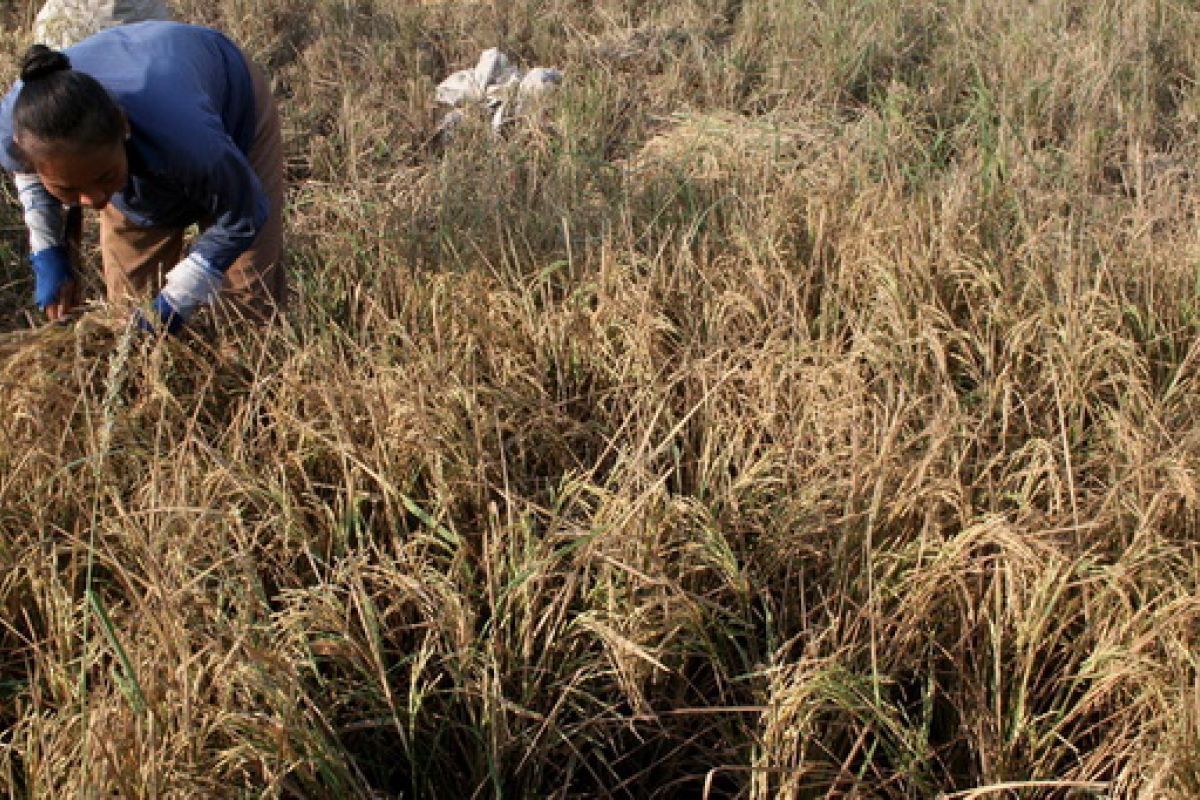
187,93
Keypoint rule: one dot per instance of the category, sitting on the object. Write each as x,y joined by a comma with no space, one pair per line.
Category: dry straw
803,406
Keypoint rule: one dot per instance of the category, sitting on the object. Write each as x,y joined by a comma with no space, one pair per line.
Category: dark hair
60,105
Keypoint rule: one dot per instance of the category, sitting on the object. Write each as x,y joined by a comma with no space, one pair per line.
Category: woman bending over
157,126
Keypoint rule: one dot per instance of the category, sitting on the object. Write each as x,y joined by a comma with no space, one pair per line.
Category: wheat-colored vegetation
804,404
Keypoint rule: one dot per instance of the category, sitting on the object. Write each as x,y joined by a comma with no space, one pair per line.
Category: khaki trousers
136,258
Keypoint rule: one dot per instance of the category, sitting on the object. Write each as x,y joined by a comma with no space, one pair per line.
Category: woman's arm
43,213
236,207
55,290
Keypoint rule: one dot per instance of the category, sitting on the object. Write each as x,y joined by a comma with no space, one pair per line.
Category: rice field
800,402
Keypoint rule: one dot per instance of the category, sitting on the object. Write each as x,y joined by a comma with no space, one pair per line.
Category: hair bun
40,61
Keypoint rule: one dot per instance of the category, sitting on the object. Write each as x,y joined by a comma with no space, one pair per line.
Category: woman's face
88,176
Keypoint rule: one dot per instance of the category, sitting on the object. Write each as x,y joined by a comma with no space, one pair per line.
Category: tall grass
803,404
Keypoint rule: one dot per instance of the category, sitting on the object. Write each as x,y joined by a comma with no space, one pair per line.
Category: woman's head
69,130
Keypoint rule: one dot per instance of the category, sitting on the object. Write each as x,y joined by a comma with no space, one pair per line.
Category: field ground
802,403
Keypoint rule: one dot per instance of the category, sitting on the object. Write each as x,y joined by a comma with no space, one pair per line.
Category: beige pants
136,258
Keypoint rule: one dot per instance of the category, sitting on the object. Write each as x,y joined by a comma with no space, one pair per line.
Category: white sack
496,86
62,23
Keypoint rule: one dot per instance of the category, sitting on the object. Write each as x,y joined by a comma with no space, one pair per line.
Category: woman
156,125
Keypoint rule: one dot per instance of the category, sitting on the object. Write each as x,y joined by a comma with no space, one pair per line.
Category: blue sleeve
234,200
8,154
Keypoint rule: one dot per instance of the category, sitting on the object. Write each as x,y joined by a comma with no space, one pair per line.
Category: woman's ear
21,154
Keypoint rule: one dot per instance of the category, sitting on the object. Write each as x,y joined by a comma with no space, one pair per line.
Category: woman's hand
54,288
68,299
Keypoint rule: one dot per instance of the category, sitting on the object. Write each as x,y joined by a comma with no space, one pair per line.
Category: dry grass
805,406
